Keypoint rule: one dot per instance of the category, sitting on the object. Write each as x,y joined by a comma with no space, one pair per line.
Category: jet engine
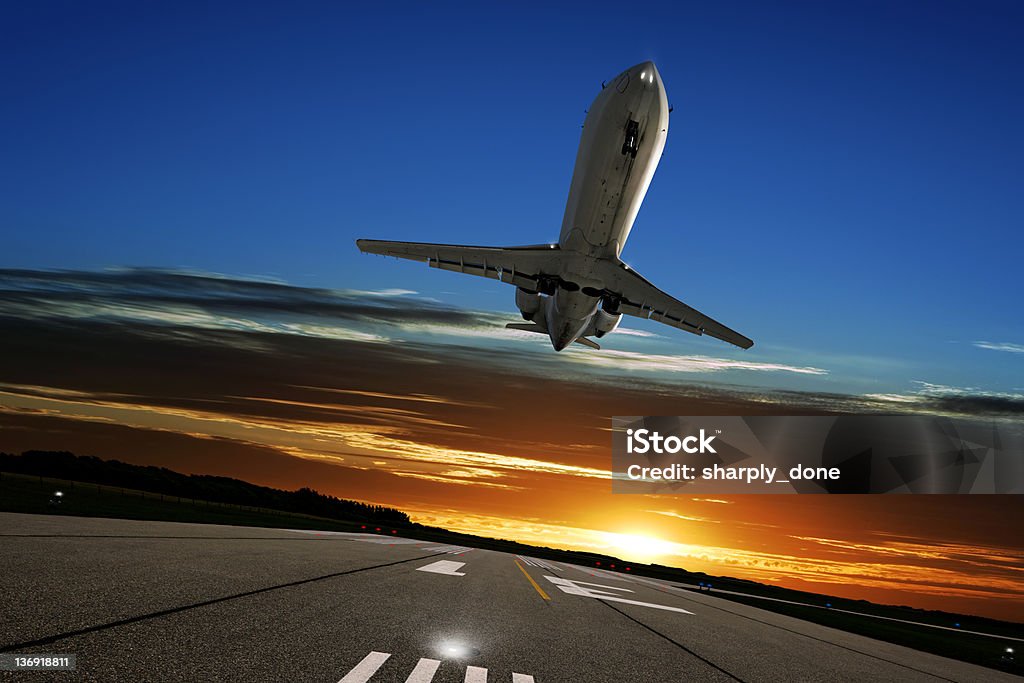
605,322
528,303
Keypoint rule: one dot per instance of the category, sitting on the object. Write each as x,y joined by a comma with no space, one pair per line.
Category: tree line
65,465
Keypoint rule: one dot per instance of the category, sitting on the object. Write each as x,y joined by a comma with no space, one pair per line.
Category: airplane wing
520,266
529,267
639,298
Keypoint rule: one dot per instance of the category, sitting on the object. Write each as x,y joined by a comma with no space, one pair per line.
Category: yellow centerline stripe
532,582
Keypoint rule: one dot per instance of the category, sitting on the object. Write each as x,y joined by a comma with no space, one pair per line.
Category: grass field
32,494
987,651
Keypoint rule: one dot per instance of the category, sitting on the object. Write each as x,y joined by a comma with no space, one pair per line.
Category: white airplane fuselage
579,288
623,137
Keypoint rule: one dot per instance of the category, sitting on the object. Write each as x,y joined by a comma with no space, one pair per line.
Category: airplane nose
644,74
647,73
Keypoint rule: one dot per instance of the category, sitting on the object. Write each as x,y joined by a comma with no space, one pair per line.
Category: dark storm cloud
976,405
173,314
158,289
182,303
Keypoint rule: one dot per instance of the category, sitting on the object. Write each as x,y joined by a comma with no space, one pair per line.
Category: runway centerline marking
362,671
446,567
580,588
533,583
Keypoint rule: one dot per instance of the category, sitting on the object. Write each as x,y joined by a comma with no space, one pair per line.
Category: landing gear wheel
632,143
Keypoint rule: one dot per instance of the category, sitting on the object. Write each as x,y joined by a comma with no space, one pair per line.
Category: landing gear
610,305
547,285
632,144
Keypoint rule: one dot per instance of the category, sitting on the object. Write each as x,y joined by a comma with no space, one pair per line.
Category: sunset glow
462,441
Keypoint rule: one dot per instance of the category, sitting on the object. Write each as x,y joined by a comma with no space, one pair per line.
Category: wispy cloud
943,398
633,332
1000,346
180,302
449,478
632,360
372,434
1004,558
381,292
686,518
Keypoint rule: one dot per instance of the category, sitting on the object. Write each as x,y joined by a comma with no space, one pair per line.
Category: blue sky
841,181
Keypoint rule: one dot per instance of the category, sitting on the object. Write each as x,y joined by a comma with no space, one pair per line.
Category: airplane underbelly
621,145
599,215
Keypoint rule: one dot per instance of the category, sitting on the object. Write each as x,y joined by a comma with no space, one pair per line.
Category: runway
160,601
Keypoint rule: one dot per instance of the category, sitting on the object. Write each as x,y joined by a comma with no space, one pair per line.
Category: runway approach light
59,494
453,649
1009,650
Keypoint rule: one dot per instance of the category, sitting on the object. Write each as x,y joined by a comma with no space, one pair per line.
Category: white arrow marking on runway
521,678
424,671
443,567
362,671
577,588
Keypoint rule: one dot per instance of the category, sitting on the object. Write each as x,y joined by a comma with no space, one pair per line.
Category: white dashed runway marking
423,672
541,564
449,549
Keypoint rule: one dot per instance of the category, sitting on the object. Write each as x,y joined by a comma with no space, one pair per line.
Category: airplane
579,288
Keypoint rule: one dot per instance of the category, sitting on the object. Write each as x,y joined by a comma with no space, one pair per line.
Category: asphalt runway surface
161,601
